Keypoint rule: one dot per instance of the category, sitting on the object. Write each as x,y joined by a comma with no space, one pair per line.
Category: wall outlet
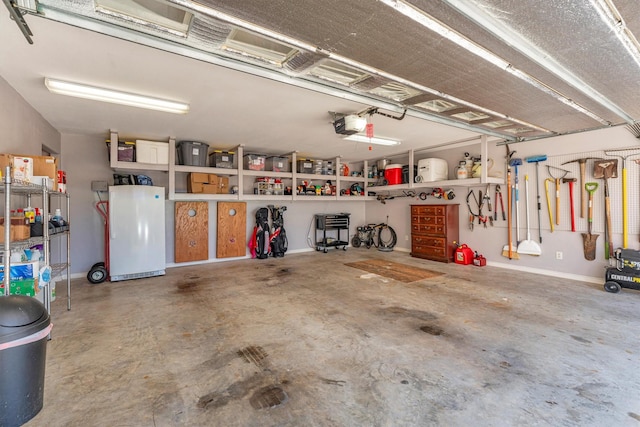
406,237
558,255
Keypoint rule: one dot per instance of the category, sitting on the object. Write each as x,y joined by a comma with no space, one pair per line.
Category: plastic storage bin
221,159
305,166
152,152
24,327
192,153
126,151
254,162
277,164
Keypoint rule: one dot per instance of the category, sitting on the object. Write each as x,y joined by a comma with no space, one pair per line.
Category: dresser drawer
438,242
439,220
428,251
439,230
427,210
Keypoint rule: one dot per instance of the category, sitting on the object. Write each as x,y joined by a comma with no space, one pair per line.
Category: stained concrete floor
217,344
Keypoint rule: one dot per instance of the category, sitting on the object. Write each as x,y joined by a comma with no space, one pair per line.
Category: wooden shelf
200,169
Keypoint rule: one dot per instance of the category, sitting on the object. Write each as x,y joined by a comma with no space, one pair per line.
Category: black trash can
24,330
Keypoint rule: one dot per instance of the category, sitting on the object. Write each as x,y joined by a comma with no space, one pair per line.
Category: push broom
537,159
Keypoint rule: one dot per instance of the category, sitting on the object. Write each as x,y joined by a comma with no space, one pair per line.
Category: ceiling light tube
114,96
375,140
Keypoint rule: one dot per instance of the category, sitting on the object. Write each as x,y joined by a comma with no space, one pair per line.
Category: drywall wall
491,240
24,130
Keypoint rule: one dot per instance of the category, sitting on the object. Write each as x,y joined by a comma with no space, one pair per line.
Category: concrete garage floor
331,345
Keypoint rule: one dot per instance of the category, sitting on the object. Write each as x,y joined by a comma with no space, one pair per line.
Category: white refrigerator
136,232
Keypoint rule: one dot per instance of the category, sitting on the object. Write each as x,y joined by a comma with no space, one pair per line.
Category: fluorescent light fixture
114,96
375,140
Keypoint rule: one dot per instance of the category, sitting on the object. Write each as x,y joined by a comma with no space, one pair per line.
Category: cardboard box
202,178
195,180
20,229
194,187
21,166
220,182
40,166
210,189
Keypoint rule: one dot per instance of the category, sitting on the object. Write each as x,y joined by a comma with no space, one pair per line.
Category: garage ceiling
510,69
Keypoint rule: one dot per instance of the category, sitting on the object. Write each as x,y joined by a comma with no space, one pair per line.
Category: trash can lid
21,316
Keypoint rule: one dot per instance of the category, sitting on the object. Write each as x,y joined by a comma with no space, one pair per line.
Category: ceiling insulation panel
573,33
414,53
377,36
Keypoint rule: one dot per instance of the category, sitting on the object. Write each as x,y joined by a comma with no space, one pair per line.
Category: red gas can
463,255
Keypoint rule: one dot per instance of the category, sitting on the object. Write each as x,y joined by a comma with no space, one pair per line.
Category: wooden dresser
434,229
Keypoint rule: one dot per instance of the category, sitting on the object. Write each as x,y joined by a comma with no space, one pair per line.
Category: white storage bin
152,152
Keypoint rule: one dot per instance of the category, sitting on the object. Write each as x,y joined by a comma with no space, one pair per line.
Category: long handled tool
528,246
625,205
499,199
606,169
516,194
583,177
573,215
589,240
557,179
509,250
537,159
546,190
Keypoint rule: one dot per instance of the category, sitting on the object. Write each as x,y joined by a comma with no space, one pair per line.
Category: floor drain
433,330
268,397
253,354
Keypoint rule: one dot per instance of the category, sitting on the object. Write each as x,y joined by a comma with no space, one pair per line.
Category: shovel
589,239
605,169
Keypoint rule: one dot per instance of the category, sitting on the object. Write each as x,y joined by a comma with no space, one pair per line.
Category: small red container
393,174
480,261
463,255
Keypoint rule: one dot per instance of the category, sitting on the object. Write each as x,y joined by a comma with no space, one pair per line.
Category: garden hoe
557,180
589,239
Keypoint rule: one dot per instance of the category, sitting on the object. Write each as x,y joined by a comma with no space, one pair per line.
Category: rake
634,128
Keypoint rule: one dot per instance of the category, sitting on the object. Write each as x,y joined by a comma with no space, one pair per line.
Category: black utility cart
330,222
